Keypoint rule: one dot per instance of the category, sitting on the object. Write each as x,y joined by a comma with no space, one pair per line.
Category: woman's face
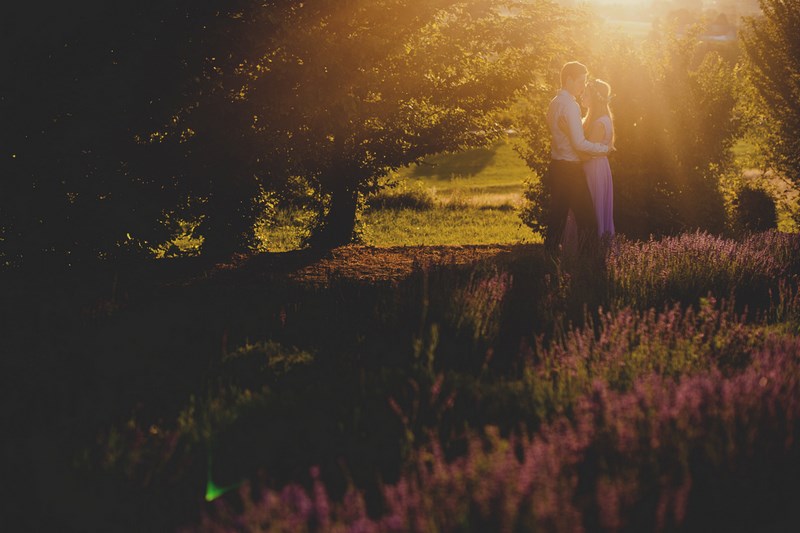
586,100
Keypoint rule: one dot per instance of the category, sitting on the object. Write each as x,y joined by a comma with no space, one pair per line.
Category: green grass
443,226
475,192
474,172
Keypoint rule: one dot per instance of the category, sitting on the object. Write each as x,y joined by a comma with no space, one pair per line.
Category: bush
403,196
645,274
535,206
754,210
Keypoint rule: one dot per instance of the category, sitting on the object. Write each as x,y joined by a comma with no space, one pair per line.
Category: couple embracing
579,177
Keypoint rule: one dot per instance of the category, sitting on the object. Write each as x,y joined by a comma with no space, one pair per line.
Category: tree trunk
228,227
339,224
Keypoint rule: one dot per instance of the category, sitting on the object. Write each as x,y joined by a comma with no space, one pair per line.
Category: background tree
772,48
341,93
78,80
674,135
93,93
122,121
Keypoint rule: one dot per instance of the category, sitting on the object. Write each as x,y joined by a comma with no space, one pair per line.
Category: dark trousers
568,190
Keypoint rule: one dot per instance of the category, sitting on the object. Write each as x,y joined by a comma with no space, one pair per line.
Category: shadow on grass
462,164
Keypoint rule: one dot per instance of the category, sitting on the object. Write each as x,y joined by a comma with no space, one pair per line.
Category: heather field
652,387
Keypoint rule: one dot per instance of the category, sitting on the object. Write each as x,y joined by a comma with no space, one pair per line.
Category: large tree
122,120
75,86
88,89
772,44
340,93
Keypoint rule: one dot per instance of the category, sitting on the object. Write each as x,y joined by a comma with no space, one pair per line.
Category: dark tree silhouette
122,120
90,85
339,94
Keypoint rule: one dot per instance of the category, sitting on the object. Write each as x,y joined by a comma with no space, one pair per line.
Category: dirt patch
386,264
359,263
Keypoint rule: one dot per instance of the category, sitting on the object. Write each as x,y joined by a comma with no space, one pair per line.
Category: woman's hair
599,92
600,95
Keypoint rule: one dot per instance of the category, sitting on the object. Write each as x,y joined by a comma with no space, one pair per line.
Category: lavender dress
598,178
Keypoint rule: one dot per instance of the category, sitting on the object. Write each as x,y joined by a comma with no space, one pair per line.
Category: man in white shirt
565,178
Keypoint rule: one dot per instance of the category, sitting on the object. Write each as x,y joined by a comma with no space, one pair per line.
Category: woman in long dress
599,127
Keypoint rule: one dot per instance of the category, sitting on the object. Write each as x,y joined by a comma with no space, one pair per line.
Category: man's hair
572,69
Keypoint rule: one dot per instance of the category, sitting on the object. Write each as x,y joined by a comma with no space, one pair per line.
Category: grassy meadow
471,196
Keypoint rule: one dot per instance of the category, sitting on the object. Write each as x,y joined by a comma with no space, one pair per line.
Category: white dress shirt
566,147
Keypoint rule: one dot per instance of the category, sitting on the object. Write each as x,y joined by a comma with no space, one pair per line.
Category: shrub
685,268
415,197
535,206
754,210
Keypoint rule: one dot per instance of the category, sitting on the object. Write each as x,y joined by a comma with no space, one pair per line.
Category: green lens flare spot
213,491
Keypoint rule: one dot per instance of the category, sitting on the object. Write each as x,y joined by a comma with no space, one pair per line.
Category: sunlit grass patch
464,225
285,232
481,199
470,197
457,223
745,153
491,177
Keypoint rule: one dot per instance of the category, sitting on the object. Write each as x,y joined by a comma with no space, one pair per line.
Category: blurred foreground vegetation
651,387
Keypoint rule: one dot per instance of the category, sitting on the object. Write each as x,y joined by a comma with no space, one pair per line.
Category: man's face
575,86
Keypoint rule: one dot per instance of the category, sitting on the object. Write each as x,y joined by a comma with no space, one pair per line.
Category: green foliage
773,53
126,121
675,126
81,81
534,211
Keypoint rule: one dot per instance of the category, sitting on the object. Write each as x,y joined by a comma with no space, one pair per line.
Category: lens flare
214,491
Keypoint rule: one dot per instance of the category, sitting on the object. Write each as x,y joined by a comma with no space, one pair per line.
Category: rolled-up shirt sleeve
576,136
